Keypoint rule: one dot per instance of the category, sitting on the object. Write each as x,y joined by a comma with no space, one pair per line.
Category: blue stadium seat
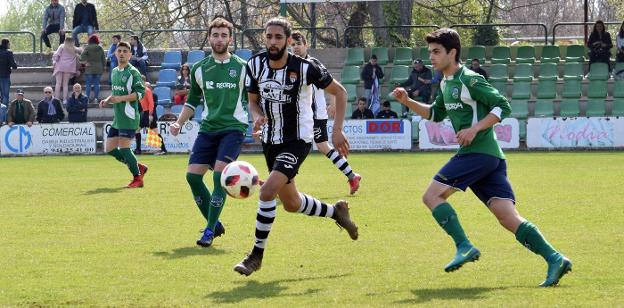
245,54
172,59
167,78
194,56
160,110
177,109
164,96
198,113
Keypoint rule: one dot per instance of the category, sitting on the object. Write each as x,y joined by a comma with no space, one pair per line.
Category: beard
277,55
216,50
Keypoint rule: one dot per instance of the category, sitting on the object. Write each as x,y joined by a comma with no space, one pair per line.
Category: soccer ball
239,179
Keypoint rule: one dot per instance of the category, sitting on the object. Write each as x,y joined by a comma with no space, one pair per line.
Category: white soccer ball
239,179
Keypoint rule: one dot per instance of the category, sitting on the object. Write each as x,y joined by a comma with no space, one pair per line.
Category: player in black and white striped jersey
279,86
319,107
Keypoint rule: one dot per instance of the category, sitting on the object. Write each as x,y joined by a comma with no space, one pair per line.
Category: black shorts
320,131
286,157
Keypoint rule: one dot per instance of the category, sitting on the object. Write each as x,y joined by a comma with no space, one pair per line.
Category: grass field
71,235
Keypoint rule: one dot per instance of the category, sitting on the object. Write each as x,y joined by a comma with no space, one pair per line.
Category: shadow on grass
259,290
104,190
184,252
426,295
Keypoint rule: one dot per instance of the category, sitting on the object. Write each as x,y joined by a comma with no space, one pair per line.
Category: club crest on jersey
455,93
293,76
473,81
124,78
232,73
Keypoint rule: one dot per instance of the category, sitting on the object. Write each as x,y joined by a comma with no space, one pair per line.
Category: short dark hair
282,22
475,59
220,22
5,43
362,98
299,37
386,103
124,44
448,38
117,36
94,39
374,57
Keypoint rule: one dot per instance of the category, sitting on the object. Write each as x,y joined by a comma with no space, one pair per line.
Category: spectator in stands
599,44
619,42
53,22
139,55
7,64
49,109
77,105
370,72
362,112
111,55
21,110
94,59
386,112
65,64
182,85
85,20
476,67
419,82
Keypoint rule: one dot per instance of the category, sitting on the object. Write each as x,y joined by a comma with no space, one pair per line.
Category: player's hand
174,128
466,135
104,102
400,94
151,118
114,99
257,128
340,142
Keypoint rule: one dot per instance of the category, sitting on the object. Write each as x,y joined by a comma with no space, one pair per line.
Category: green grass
70,235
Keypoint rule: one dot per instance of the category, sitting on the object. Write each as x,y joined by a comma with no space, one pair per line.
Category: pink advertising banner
578,132
442,136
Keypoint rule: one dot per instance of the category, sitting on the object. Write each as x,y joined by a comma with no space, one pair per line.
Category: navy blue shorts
210,147
124,133
486,175
286,157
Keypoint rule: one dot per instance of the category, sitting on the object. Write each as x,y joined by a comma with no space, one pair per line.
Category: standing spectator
77,105
49,109
183,85
111,55
65,62
619,42
21,110
85,20
53,22
7,63
418,84
139,55
95,60
475,66
599,44
370,72
386,112
362,112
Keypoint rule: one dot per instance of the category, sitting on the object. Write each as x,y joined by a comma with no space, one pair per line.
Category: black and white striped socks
340,163
313,207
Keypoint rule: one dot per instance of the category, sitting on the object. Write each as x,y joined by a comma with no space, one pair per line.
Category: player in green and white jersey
473,107
218,80
127,91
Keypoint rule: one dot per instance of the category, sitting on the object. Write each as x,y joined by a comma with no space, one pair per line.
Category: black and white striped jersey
286,96
319,104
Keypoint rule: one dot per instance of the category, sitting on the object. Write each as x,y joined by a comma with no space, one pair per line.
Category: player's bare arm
185,115
421,109
338,138
256,112
465,136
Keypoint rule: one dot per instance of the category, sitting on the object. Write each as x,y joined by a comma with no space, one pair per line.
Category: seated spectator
139,55
85,20
7,64
619,42
183,85
418,85
21,110
77,105
94,59
53,22
386,112
65,64
599,44
476,67
370,72
362,112
49,109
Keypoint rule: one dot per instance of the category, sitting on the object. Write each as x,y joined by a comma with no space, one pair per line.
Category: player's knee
291,206
430,200
266,193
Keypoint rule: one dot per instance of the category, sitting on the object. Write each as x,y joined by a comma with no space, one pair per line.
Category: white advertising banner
182,143
48,139
575,132
441,135
376,134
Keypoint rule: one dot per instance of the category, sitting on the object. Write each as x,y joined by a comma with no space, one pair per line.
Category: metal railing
23,32
69,32
314,32
351,28
176,30
543,26
577,23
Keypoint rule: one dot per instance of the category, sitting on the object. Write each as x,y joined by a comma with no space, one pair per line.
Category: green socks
130,160
117,154
216,202
200,193
529,236
447,219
